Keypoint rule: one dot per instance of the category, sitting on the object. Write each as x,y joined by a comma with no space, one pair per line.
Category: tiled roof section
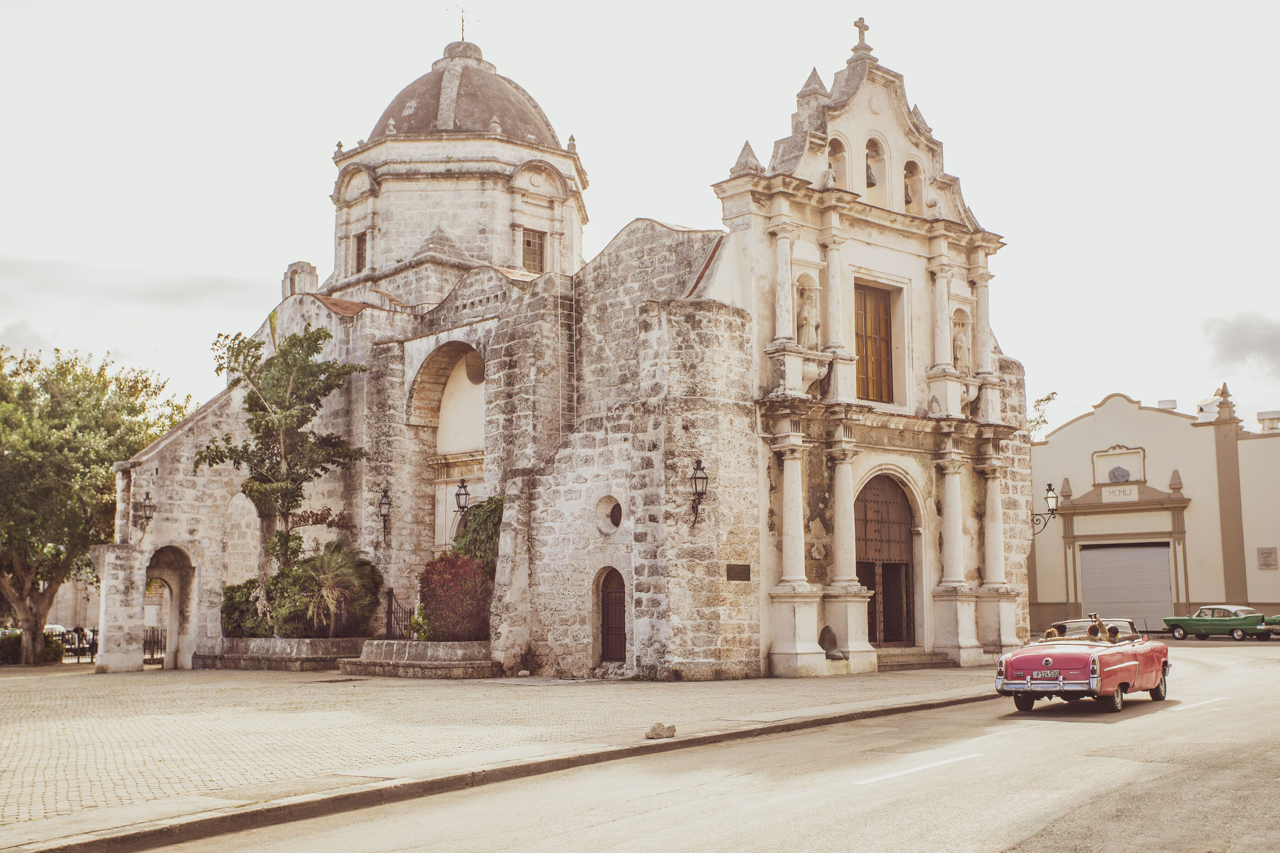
342,307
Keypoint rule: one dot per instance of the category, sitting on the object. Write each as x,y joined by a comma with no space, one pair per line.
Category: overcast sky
164,162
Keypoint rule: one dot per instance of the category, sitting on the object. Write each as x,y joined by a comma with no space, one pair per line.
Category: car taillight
1000,668
1093,667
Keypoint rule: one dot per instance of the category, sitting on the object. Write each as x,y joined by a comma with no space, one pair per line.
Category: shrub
11,649
455,592
478,536
291,596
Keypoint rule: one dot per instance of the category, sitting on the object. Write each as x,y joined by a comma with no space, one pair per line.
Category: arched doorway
613,617
171,569
883,522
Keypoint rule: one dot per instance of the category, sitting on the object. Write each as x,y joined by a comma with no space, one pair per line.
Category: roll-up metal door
1127,582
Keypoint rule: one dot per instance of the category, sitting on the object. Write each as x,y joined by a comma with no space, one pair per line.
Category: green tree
62,424
285,392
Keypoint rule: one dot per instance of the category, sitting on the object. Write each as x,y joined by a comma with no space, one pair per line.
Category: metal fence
398,617
83,644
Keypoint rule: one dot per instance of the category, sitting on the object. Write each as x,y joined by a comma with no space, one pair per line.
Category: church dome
464,94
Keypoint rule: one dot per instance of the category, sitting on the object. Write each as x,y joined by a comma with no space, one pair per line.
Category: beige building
1160,512
826,358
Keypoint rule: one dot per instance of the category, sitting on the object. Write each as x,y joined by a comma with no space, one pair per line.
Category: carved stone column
952,522
844,599
955,626
942,316
784,318
843,384
997,625
993,529
794,650
988,408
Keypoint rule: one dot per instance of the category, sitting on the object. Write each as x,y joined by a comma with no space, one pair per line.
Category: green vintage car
1229,619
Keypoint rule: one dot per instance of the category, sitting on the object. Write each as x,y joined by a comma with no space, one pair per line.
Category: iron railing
78,645
153,645
398,617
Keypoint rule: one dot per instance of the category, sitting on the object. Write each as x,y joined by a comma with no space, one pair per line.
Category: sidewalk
118,761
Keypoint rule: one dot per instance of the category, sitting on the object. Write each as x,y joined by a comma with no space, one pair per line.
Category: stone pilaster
834,320
123,576
952,521
946,390
953,599
784,320
988,409
996,614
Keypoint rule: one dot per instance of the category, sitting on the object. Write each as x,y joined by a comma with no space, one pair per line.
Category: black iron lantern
1040,520
148,509
462,497
699,480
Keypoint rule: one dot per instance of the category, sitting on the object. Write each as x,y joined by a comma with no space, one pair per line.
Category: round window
608,514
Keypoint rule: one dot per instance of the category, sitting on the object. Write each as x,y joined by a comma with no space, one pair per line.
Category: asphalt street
1197,772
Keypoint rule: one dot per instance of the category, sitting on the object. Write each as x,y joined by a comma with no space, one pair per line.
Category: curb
159,833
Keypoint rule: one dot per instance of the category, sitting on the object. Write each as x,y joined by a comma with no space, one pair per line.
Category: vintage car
1226,619
1077,663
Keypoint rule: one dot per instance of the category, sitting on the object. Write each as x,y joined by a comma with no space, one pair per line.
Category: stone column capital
992,470
942,270
981,278
950,466
834,241
788,450
842,452
784,230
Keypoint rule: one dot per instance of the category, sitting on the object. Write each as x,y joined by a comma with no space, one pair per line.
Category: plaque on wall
1269,558
737,572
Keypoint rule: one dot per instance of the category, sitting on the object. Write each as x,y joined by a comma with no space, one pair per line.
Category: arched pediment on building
355,181
538,177
479,295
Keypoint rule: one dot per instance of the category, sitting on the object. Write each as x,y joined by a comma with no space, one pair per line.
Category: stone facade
588,393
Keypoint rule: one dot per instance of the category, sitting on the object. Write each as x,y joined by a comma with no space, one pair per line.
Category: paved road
1198,772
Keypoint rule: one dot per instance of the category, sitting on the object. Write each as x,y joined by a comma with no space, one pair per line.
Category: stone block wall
1017,490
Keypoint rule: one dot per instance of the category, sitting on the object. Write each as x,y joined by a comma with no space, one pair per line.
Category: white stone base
118,662
954,609
845,610
795,652
842,386
997,618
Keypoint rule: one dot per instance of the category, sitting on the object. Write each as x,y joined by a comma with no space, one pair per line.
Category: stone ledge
420,669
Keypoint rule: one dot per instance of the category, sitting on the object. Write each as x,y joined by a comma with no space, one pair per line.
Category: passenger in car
1051,634
1113,634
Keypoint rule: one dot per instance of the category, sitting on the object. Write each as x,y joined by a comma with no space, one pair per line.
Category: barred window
874,341
361,253
535,251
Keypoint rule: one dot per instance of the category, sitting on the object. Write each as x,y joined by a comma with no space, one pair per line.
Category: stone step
897,660
420,669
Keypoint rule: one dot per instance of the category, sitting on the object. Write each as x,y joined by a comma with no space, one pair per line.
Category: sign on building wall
1268,559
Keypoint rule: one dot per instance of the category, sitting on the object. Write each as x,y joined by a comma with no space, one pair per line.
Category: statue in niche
960,356
1118,475
808,325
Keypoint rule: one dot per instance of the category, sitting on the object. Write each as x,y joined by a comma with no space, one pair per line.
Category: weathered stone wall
1017,490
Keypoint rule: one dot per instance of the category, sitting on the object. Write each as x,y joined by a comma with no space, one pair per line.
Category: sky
164,162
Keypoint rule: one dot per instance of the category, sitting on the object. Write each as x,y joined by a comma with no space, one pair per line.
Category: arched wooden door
883,522
613,617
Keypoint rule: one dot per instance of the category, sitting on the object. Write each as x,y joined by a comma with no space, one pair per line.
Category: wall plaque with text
1268,558
738,572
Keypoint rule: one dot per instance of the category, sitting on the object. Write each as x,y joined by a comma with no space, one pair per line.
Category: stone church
825,361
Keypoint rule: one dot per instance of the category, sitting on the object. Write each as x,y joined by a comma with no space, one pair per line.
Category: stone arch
447,403
610,596
913,188
922,568
520,178
877,171
172,566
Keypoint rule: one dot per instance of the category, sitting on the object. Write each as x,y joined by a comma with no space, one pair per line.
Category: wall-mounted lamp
384,510
462,497
699,480
148,510
1040,520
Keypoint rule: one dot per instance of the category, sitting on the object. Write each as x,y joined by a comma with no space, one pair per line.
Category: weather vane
462,17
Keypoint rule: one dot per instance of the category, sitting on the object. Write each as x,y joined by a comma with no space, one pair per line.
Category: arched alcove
877,188
172,567
913,188
837,162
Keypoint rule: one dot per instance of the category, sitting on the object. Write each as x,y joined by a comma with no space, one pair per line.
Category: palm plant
335,573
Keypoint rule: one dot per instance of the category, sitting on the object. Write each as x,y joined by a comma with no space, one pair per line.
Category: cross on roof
862,28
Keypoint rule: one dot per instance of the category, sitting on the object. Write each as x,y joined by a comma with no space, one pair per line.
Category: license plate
1046,673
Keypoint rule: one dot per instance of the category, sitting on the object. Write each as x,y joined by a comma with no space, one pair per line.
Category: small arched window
912,188
836,163
875,177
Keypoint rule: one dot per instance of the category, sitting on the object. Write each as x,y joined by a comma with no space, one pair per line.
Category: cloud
22,335
37,281
1245,339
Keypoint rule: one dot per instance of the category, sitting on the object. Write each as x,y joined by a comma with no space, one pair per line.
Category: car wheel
1113,703
1238,634
1179,633
1161,691
1264,636
1024,702
1072,698
1202,636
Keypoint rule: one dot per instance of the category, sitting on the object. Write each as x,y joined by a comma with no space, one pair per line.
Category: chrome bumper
1010,686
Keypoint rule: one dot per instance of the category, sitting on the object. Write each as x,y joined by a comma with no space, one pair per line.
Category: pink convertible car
1099,658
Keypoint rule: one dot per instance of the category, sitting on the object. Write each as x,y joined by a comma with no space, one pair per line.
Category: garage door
1127,581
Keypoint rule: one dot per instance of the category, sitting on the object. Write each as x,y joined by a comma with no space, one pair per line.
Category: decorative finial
462,16
391,126
747,163
573,145
862,27
339,146
495,126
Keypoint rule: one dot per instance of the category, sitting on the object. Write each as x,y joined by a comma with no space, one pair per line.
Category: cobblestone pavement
71,740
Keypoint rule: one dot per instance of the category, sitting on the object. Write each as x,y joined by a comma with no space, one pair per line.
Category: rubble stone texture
458,241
